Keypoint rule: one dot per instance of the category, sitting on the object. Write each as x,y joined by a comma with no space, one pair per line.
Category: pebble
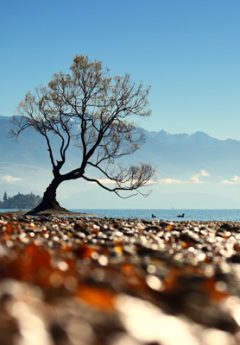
69,274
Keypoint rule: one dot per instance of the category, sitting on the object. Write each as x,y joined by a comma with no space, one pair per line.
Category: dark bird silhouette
153,215
181,215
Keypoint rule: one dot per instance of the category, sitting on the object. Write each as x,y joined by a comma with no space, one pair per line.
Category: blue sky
187,50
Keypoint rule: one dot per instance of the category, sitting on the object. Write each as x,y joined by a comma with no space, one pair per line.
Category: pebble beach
88,281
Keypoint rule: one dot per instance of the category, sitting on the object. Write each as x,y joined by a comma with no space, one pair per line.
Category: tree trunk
49,201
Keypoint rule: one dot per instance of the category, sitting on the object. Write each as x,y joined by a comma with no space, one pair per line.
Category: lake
168,214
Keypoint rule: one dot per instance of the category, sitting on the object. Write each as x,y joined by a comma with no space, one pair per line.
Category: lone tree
88,109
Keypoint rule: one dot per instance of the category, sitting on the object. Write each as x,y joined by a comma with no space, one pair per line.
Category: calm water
172,214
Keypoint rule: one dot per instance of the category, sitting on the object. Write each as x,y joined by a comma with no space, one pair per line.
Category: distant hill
25,165
181,154
174,154
20,201
28,149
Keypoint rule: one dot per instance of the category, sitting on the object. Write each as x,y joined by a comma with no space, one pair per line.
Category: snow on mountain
177,158
171,154
182,153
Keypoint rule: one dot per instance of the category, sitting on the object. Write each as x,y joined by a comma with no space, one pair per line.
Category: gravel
86,280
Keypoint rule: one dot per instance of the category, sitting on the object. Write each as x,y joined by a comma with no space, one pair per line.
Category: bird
181,215
153,215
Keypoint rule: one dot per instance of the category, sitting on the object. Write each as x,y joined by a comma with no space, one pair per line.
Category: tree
5,196
88,109
21,201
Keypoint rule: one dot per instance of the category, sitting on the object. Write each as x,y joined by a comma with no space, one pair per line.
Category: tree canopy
91,110
20,201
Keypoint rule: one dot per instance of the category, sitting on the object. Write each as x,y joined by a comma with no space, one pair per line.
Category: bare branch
89,109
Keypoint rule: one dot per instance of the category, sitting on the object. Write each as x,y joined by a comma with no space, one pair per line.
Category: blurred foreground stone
93,281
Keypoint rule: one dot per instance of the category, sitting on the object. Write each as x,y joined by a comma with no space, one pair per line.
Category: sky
187,50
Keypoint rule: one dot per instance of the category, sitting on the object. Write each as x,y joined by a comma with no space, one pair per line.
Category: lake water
169,214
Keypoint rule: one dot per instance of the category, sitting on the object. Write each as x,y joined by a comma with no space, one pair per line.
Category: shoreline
166,215
51,212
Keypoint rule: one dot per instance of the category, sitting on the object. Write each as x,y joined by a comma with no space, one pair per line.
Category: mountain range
180,154
183,163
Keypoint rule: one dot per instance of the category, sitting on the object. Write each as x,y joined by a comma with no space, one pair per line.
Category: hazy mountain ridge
189,153
25,165
172,154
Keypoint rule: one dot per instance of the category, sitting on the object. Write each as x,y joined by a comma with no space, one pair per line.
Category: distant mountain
172,154
181,154
25,166
29,148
